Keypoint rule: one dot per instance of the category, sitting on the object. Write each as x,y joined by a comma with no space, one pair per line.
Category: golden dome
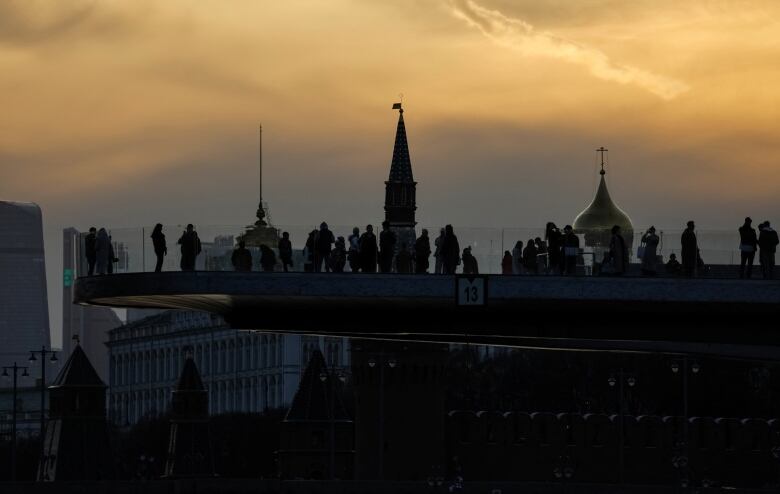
597,220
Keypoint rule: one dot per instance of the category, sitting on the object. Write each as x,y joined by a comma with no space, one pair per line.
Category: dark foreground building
189,449
317,436
76,445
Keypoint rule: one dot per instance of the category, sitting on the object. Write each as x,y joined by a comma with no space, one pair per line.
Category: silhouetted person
111,256
338,257
422,252
102,251
308,252
90,250
322,248
160,247
530,261
386,248
403,261
506,263
618,252
368,250
439,258
517,258
285,251
267,258
450,250
650,254
554,239
470,265
353,255
748,244
767,242
190,248
242,257
541,254
571,249
673,266
690,250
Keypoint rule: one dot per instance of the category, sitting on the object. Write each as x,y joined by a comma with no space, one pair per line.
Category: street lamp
381,360
325,376
15,368
563,470
52,360
612,381
680,461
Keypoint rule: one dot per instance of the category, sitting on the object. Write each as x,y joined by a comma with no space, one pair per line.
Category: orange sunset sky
126,113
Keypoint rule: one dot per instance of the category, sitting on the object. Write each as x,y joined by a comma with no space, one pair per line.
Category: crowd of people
557,253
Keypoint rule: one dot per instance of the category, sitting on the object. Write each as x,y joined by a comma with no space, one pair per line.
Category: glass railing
134,250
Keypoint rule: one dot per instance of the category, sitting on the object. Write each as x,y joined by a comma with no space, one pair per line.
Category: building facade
24,310
242,371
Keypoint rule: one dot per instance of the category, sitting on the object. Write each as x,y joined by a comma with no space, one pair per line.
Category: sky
127,113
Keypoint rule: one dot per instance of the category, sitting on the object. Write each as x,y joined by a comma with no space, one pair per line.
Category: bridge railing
134,251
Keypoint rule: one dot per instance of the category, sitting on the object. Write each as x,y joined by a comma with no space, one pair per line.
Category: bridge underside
726,317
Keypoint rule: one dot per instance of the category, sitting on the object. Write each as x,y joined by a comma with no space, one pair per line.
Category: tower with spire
596,221
262,232
400,188
75,442
189,443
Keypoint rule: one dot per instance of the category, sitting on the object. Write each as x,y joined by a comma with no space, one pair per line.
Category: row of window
241,395
224,356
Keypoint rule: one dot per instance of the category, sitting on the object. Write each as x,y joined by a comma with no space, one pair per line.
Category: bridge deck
549,311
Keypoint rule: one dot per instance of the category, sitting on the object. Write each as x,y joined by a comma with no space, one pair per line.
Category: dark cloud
32,23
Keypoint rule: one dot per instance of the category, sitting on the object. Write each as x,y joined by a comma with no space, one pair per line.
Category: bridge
732,318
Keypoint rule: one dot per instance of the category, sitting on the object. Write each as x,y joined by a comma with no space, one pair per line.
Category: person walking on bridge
353,255
322,248
506,263
450,250
338,257
103,254
650,255
767,242
285,251
439,258
422,252
241,258
530,261
267,259
470,265
190,248
689,250
387,242
90,250
368,250
517,258
160,247
748,244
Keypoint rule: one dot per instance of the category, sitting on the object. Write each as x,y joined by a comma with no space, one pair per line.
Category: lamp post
15,368
681,461
381,362
563,470
52,360
612,381
330,377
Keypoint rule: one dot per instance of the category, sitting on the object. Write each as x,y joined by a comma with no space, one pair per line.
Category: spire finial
399,106
602,150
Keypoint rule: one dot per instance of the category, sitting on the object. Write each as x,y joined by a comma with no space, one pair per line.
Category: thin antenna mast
260,163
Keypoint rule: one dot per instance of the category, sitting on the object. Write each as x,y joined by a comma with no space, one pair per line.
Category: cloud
521,36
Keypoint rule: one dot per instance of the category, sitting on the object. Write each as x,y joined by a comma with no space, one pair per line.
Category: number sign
471,290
